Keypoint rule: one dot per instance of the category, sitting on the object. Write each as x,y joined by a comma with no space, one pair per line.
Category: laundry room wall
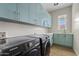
63,11
75,27
15,29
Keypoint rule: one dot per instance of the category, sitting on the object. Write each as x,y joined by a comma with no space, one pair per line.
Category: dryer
44,43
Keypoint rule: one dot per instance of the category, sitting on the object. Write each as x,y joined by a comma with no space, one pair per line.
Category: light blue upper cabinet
12,11
8,10
48,19
3,11
49,22
43,22
33,9
44,16
23,10
32,13
46,22
38,15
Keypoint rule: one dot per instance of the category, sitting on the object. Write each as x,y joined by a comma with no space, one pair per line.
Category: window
62,23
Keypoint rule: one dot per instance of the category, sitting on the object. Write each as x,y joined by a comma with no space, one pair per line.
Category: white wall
14,29
56,13
75,27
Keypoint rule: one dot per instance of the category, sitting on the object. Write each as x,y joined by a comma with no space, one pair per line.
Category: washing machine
34,48
14,50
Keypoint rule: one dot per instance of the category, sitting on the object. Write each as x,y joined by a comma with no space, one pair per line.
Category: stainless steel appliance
34,48
23,46
30,45
14,50
44,43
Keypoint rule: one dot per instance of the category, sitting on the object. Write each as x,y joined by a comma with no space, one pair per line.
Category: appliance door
34,52
46,48
14,51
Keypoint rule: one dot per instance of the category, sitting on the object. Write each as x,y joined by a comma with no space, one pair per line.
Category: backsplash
14,29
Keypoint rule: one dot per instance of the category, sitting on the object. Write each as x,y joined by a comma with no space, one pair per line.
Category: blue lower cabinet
68,43
69,40
59,39
63,39
56,37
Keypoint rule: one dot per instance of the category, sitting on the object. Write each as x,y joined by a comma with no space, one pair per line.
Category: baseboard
76,52
62,45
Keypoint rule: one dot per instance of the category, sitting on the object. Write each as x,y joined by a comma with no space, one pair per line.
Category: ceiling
50,6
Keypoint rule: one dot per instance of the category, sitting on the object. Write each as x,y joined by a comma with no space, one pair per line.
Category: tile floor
57,50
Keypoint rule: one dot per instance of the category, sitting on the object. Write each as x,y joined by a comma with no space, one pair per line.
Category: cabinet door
23,9
8,10
49,21
3,8
69,40
43,15
33,13
59,39
56,38
12,11
38,14
44,22
62,39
